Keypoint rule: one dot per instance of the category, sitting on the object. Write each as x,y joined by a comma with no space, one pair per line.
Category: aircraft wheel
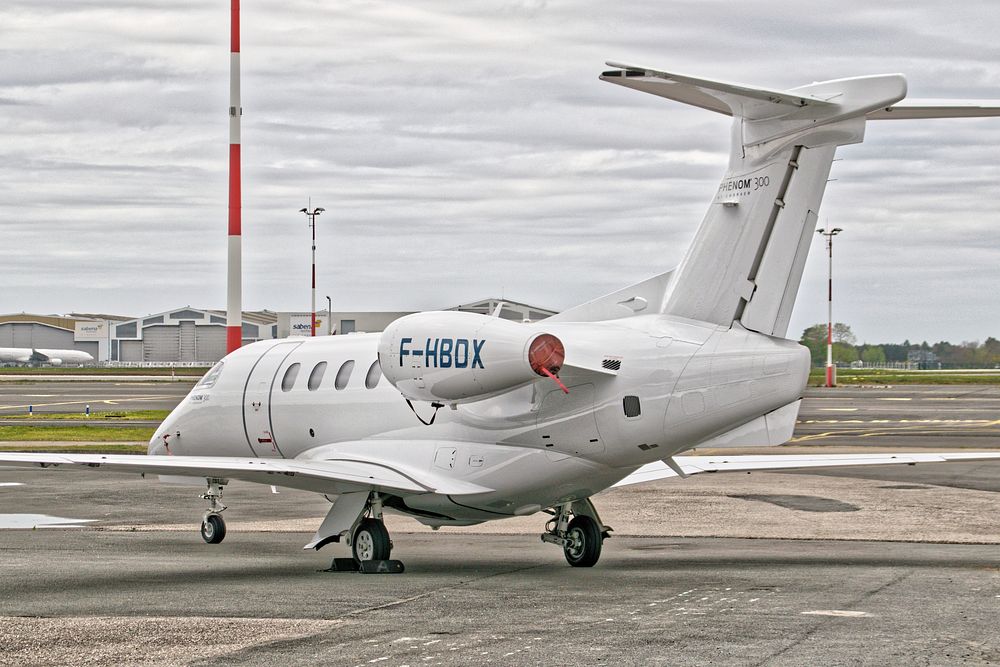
585,539
371,541
213,529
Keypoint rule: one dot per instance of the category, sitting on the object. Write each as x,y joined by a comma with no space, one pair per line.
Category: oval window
289,379
344,374
317,375
374,375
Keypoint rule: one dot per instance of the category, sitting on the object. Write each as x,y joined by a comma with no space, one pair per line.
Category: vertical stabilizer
746,260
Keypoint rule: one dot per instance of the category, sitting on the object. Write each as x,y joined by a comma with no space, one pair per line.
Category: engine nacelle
54,362
456,357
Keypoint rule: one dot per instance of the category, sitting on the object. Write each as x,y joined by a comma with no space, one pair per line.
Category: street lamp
312,225
329,317
831,373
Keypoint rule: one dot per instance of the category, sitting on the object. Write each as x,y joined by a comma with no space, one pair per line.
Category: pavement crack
833,620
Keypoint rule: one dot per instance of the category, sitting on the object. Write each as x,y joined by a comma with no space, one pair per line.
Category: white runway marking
842,613
30,521
11,483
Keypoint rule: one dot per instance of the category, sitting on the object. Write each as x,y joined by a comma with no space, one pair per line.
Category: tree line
846,350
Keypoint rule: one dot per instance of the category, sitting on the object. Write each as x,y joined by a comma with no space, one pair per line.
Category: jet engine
455,357
54,362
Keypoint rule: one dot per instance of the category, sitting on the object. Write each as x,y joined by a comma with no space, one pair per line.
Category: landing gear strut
370,543
581,536
213,527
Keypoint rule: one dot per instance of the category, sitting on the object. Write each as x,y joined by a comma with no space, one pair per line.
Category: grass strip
129,415
817,378
85,433
76,449
197,371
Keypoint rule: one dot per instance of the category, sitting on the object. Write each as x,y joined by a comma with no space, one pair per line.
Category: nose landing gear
213,526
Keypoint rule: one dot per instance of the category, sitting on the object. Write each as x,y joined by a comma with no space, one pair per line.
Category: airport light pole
329,316
831,374
312,225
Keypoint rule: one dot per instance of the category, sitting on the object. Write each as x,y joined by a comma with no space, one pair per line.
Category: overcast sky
465,150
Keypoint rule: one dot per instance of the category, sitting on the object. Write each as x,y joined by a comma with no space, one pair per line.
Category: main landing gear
213,527
370,544
578,529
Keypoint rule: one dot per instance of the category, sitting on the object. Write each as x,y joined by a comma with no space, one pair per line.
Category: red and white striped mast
831,373
234,291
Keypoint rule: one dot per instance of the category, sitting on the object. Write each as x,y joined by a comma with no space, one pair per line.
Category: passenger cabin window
344,374
374,375
289,379
317,375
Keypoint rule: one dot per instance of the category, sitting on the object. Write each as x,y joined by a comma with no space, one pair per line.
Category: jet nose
160,443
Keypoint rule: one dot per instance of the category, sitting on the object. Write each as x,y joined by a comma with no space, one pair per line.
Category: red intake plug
546,355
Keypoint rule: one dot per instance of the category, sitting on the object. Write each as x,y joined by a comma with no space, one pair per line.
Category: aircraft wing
338,476
691,465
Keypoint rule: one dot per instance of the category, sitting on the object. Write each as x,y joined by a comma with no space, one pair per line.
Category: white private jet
28,355
541,416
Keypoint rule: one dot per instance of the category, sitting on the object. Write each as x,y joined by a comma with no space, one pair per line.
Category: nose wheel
213,529
213,526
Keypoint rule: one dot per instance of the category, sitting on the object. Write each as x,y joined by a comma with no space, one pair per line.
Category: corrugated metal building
87,333
197,335
187,335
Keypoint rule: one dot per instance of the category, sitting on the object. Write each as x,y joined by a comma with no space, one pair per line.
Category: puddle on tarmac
29,521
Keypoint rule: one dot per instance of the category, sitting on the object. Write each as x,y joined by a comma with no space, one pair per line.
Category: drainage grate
612,364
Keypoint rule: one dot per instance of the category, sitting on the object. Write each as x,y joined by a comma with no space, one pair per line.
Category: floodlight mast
831,372
234,289
312,225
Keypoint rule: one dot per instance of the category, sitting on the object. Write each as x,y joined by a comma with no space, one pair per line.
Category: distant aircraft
539,417
28,355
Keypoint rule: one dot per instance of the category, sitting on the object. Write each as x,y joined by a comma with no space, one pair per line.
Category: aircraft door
566,422
257,401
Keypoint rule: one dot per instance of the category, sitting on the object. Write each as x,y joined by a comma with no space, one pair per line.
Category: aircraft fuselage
676,383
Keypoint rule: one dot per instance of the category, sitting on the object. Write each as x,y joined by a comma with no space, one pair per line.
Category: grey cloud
461,150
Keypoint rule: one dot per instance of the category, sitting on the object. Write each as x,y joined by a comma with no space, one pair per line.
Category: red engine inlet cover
547,352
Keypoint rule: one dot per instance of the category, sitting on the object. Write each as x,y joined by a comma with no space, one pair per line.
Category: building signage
91,331
298,325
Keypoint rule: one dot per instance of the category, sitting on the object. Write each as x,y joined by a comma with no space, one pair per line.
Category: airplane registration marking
445,352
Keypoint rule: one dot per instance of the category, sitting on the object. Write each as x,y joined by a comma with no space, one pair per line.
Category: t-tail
746,260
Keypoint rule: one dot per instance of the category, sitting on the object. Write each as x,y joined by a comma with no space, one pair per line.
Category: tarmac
886,565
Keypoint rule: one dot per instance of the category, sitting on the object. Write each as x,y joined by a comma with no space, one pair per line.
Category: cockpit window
210,377
289,379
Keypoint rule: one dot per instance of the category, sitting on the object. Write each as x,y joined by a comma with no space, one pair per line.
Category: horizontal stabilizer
691,465
731,99
908,109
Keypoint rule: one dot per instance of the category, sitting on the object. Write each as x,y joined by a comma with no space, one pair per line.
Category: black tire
213,529
371,541
585,540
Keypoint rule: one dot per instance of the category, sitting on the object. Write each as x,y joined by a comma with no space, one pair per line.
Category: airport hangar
196,336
